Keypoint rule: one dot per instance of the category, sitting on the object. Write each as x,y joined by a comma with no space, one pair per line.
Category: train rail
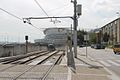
57,60
14,58
6,60
55,55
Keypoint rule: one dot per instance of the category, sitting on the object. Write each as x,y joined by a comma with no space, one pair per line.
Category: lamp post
77,13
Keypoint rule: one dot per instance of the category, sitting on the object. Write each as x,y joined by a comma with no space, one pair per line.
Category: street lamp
77,13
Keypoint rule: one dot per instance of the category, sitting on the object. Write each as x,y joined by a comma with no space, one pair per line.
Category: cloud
98,13
94,13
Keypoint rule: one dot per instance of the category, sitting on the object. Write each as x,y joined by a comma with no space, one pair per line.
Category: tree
105,37
92,38
80,36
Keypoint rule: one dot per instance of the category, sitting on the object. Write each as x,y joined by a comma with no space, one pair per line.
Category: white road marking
114,63
104,63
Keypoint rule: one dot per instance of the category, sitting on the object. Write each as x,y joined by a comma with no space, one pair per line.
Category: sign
86,37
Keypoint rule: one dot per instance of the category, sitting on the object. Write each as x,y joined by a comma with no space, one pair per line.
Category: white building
56,36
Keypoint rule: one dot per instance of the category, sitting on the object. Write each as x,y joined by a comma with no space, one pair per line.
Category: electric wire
37,27
19,18
10,14
41,7
54,21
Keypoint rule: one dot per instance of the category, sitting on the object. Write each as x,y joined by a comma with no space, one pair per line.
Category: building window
115,22
111,24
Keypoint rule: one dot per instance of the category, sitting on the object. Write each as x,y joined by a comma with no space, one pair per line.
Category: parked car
92,45
51,47
98,46
81,45
102,46
116,48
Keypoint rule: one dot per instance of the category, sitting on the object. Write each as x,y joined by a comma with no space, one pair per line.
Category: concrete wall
18,49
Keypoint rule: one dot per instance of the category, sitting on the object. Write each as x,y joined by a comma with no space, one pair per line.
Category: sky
95,14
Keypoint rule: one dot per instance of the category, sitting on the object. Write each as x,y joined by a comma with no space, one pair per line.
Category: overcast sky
95,14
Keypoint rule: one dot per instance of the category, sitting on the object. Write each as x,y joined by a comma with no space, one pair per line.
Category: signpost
86,39
26,46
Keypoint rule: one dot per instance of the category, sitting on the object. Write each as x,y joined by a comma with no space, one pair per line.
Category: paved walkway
87,68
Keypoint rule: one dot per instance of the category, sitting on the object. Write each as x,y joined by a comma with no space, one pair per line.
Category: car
102,46
92,45
81,45
51,47
116,48
99,46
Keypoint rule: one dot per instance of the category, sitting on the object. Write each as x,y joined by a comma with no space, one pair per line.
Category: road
104,56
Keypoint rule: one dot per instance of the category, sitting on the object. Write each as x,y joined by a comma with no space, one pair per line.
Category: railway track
57,55
57,60
14,63
15,58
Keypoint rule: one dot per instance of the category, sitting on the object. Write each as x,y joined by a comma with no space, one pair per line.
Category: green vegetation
105,37
80,36
92,36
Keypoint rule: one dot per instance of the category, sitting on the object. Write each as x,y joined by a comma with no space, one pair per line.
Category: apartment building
113,31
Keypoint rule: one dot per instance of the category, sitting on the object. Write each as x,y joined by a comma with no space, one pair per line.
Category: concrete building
113,31
56,36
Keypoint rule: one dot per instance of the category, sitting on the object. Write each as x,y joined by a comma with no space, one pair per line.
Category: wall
18,49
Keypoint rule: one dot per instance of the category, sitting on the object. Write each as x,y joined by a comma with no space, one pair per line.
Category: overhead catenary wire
36,27
41,7
54,21
18,17
10,14
67,6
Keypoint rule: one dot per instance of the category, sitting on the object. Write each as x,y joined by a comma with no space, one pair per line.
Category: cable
10,14
54,21
41,7
36,27
19,18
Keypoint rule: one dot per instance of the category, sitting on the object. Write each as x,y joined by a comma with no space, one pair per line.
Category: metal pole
26,46
71,35
75,29
86,48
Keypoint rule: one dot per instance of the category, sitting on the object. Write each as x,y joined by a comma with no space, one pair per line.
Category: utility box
79,9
